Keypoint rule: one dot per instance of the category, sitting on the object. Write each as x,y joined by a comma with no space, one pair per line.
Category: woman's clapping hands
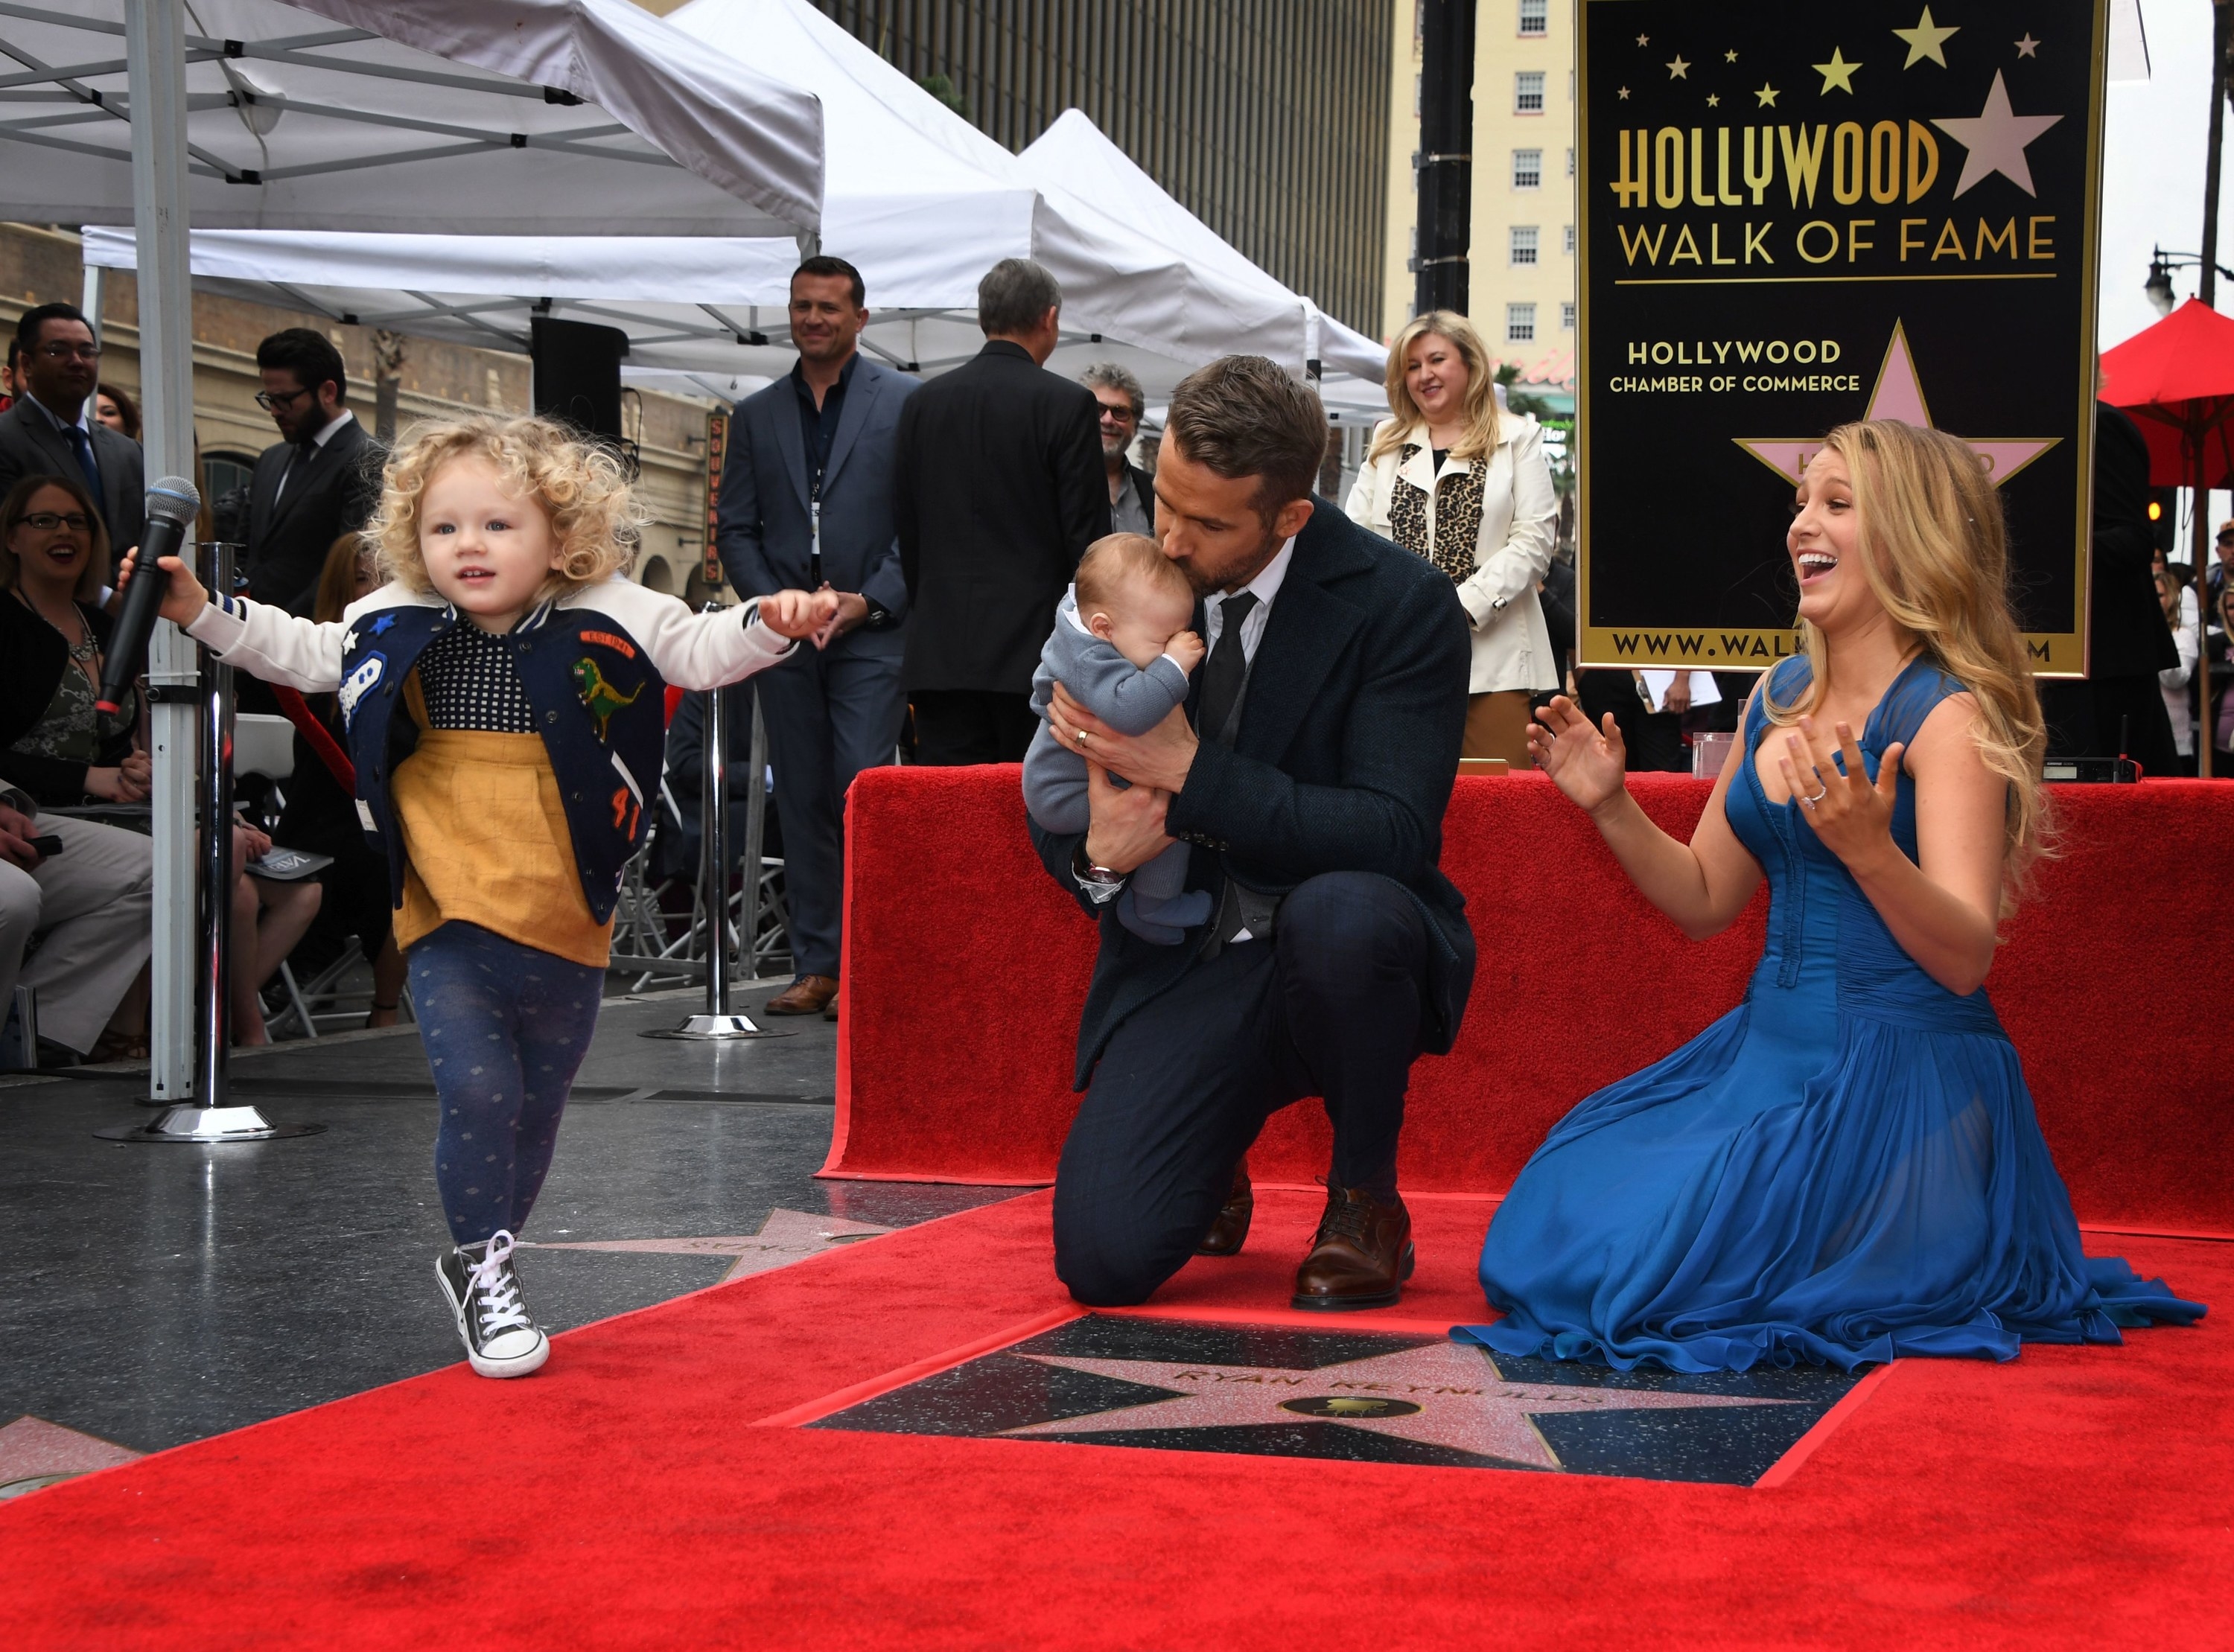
1584,763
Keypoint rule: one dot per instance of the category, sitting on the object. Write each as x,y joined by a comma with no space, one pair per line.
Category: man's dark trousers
830,714
1330,1007
957,726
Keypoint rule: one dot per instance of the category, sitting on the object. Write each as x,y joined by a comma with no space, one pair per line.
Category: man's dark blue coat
1348,744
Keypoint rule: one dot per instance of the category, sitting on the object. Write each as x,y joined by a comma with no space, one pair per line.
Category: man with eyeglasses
47,432
1132,490
318,481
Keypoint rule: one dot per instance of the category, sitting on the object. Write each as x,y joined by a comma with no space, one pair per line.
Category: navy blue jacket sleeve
737,518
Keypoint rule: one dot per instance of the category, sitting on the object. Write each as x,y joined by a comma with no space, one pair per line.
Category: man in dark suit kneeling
1310,768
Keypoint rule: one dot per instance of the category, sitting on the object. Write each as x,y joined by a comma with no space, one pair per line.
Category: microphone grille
173,500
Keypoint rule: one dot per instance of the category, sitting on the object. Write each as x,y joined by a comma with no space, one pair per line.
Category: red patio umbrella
2177,380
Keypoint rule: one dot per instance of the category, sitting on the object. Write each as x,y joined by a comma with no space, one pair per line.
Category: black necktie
1227,670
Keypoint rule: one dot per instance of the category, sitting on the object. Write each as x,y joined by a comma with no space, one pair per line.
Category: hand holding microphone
172,503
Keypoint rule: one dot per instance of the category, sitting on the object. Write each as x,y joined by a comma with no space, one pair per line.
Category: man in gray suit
806,502
46,432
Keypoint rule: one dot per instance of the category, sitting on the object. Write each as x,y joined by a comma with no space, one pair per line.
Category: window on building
1535,16
1519,323
1523,243
1567,316
1528,92
1569,240
1528,169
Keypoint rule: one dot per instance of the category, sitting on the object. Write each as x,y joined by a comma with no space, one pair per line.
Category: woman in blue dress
1847,1167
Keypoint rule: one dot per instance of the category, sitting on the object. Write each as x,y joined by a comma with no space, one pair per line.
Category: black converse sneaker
500,1340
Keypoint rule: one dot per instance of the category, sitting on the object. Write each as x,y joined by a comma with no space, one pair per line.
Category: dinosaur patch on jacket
602,698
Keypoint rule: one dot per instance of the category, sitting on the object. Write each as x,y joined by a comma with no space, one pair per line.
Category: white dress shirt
319,440
1265,587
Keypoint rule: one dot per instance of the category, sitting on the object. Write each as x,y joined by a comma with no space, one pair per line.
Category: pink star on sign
1996,138
1443,1393
1899,394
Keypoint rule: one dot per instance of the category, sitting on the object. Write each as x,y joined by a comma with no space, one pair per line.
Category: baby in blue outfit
1122,650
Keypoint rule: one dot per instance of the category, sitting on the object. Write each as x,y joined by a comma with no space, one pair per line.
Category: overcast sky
2152,169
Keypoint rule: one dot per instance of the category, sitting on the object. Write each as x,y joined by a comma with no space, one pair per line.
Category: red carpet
965,967
623,1499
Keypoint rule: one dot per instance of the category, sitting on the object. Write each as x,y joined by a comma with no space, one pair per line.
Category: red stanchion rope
320,737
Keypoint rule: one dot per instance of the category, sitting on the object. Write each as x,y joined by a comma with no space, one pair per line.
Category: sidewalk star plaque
1884,210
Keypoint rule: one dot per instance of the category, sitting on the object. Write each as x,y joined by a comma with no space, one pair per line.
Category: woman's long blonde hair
1480,438
580,484
1936,551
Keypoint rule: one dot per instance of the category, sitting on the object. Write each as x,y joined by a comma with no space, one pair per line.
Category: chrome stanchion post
211,1116
749,913
715,857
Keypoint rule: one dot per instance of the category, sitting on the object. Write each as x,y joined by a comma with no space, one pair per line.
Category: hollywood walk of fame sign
1886,210
1356,1396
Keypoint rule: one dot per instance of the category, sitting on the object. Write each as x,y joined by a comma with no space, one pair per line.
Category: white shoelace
497,1290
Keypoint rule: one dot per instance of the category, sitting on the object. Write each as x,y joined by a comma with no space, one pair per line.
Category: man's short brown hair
1243,415
1115,558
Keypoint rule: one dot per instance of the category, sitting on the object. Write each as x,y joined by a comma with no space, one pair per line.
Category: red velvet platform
965,967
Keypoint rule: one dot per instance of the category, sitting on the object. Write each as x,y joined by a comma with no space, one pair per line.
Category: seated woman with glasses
84,889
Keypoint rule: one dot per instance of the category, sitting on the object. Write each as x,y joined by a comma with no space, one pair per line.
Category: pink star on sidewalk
1442,1394
786,1237
1899,394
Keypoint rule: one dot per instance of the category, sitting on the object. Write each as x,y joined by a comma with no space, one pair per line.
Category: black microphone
173,504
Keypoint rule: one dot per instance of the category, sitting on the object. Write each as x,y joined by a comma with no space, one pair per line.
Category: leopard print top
1458,516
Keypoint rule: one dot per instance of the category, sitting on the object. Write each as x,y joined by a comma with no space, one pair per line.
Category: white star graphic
1441,1394
1926,41
1644,40
1677,70
2028,47
1997,139
1899,394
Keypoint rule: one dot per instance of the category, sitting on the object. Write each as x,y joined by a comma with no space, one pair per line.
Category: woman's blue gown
1844,1168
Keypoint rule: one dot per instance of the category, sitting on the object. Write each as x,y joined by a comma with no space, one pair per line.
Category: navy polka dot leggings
505,1029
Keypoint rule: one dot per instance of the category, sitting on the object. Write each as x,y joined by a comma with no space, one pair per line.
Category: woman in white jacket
1453,480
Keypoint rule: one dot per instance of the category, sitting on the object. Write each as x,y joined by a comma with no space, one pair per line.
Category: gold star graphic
1713,102
1767,95
1623,94
1925,41
1676,71
2028,46
1731,55
1837,73
1644,40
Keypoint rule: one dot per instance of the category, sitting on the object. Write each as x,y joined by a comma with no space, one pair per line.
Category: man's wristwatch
1099,883
877,618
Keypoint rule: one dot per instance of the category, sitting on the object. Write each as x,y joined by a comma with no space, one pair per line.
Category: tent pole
156,55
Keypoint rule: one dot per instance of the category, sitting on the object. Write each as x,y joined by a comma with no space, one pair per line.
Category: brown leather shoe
1232,1227
1362,1256
804,996
830,1009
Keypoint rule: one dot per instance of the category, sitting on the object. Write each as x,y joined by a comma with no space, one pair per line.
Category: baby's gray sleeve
1132,700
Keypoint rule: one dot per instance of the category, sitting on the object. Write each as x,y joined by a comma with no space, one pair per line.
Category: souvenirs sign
1794,217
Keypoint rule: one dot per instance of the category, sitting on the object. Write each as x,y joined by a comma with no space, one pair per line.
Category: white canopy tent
578,117
588,116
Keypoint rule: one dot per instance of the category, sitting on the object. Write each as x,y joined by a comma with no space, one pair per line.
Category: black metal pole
1445,171
214,838
714,867
2222,40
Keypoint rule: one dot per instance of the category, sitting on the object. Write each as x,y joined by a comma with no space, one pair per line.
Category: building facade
1266,119
1522,277
44,265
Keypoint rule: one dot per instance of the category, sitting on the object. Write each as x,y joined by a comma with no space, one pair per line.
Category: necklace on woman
80,651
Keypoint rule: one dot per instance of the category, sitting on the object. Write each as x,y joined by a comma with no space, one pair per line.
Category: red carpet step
965,967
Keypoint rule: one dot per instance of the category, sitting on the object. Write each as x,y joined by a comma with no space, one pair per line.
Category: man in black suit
1311,770
2118,709
46,432
997,489
1132,490
318,482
